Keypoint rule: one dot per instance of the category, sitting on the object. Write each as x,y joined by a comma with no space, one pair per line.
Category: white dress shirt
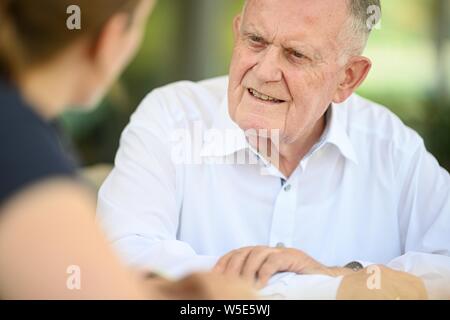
178,198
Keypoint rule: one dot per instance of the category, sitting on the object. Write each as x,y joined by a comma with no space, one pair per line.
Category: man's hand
381,283
258,264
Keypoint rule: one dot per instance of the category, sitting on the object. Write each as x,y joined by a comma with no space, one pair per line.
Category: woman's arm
51,248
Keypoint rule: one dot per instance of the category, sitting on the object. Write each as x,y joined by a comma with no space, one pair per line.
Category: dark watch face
354,265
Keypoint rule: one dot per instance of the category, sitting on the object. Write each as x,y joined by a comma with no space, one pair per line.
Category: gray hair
365,15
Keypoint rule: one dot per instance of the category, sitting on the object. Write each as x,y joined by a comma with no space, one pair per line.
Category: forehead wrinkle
290,37
302,29
296,45
287,41
257,24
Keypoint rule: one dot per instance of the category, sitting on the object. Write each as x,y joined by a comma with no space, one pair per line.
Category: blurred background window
192,40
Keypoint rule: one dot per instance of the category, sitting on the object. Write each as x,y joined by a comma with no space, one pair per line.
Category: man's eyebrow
310,50
299,48
249,34
251,29
253,33
290,45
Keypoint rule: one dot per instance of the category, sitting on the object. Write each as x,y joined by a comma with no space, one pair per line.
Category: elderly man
282,170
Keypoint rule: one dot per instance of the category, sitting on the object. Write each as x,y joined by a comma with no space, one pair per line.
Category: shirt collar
228,137
336,132
225,137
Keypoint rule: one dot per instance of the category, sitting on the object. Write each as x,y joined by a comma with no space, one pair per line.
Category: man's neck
287,156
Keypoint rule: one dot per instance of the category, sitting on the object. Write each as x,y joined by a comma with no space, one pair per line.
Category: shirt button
280,245
287,188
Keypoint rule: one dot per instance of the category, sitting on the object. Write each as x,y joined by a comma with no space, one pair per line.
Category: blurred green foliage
192,39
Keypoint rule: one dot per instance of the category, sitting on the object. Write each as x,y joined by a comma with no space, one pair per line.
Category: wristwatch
354,265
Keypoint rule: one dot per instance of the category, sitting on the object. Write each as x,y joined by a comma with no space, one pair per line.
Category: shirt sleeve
291,286
138,204
424,219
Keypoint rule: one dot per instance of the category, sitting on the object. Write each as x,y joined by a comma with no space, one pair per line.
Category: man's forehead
295,15
316,23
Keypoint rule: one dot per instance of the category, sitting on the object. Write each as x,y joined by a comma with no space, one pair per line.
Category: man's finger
222,263
270,267
254,263
236,263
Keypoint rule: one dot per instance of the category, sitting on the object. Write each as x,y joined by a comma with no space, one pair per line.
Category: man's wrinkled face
285,71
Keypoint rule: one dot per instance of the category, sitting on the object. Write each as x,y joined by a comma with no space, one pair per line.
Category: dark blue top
30,149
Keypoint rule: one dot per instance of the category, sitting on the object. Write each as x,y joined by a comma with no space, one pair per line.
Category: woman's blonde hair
34,31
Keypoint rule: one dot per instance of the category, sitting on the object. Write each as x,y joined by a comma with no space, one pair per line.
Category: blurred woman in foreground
50,246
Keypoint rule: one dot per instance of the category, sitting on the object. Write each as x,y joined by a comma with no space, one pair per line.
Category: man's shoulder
377,123
185,100
216,87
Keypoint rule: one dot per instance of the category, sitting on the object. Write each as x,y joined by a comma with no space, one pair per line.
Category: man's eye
298,55
256,40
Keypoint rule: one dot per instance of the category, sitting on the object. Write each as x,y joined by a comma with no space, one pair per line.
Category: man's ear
109,41
237,26
356,72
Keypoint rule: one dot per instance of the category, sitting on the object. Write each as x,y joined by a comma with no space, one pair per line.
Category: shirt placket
283,220
286,208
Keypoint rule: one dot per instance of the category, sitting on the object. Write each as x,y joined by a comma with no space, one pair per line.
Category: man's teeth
263,96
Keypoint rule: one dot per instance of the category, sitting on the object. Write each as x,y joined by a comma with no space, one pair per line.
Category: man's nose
268,69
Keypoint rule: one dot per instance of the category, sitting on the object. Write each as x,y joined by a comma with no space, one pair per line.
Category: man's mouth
263,97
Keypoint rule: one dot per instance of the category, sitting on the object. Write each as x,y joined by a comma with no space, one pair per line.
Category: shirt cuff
365,264
291,286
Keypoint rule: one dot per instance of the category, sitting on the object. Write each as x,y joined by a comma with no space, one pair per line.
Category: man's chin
253,130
